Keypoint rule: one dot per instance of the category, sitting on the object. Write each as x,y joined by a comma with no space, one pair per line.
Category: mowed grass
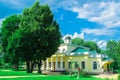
22,75
9,72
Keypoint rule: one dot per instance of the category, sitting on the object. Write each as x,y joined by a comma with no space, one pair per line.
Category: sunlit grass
22,75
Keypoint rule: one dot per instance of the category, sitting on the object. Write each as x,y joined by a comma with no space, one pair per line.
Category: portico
55,63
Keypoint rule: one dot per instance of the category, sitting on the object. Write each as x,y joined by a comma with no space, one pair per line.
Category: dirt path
110,76
21,76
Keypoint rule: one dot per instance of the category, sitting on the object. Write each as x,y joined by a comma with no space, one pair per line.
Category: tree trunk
15,66
39,65
32,66
28,66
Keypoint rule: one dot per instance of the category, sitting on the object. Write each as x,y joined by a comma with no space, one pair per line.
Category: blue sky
95,20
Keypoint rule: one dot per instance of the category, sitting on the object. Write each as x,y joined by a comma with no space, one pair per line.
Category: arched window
94,65
83,64
63,51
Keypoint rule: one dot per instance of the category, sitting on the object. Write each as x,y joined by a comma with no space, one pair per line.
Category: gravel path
110,76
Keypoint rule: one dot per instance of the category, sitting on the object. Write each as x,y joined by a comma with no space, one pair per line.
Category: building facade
71,57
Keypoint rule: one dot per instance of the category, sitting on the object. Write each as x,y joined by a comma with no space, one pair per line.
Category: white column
51,63
61,63
56,63
47,64
43,65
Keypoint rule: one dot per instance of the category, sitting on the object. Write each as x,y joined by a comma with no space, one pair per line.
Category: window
58,64
94,65
63,51
69,65
76,65
63,64
83,64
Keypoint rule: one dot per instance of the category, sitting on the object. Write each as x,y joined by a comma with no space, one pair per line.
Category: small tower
67,39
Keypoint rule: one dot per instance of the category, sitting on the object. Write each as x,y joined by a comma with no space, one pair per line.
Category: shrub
7,65
117,71
65,73
83,74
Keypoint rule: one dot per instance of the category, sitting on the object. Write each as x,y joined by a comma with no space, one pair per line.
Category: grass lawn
22,75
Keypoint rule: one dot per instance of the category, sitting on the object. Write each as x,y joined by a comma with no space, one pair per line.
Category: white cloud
75,35
55,4
98,32
102,44
105,13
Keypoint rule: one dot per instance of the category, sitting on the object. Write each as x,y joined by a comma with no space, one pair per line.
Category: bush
65,73
117,71
83,74
7,65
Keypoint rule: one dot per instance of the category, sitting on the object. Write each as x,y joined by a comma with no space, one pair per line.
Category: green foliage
13,49
117,71
37,38
111,47
31,37
9,26
83,73
91,45
113,50
77,41
118,77
42,29
1,62
61,41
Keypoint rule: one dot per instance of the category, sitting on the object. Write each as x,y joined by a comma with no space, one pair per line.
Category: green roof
79,50
107,59
93,52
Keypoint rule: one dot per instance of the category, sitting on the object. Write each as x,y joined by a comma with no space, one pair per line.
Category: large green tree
39,35
111,47
112,51
9,26
116,56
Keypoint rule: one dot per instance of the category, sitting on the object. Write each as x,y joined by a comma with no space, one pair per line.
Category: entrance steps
53,72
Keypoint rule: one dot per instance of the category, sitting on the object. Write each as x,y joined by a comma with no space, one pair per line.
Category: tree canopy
77,41
92,45
113,52
9,26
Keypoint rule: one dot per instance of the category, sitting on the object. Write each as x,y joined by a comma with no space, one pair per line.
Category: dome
67,38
